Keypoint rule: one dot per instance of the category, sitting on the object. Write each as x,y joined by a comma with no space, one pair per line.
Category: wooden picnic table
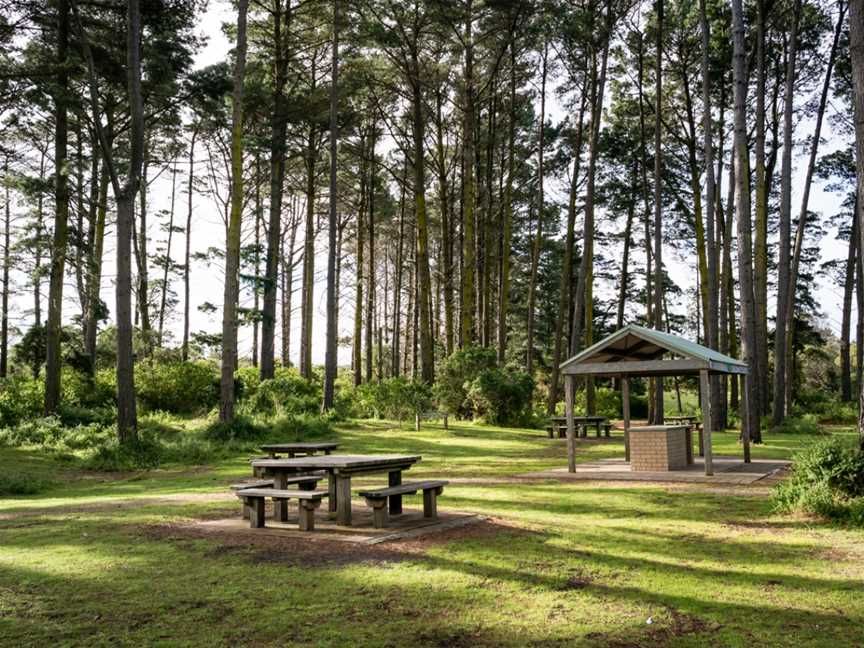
340,469
294,449
690,421
682,418
584,421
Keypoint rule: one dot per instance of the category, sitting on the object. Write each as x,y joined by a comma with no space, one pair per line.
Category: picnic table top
338,461
299,447
579,418
681,417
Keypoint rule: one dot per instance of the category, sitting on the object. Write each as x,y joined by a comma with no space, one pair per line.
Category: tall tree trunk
141,254
507,214
784,287
583,316
658,202
710,214
424,286
397,282
330,357
856,47
357,354
370,275
721,404
167,269
750,419
4,315
288,289
187,257
643,155
859,302
469,302
61,213
846,327
232,244
256,260
307,294
793,264
538,233
278,125
760,251
446,226
567,268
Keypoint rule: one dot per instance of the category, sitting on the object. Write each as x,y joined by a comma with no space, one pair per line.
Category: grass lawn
572,564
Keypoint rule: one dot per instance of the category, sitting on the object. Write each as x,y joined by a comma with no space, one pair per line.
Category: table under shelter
636,351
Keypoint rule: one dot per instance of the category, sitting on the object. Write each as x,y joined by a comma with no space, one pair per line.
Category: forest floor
103,559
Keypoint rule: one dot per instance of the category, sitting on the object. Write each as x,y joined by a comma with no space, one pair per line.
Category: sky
208,231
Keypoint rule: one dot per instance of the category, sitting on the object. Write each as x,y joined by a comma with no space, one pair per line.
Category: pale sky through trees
208,231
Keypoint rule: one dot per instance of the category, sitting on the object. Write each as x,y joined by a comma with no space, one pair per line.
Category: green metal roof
635,344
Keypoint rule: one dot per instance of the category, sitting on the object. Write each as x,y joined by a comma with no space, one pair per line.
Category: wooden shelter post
706,421
625,411
569,396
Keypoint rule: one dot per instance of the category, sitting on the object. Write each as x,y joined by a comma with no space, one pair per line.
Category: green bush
802,425
246,381
177,387
456,374
286,393
83,391
20,399
242,428
502,396
299,427
828,480
145,453
393,398
22,484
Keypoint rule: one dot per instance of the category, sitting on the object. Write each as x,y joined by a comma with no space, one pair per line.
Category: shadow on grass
128,589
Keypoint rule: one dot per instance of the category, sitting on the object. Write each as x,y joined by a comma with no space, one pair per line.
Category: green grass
581,564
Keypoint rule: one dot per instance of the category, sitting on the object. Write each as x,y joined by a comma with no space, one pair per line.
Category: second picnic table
583,422
294,449
339,469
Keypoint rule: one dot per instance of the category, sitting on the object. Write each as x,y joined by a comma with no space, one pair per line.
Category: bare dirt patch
311,551
680,624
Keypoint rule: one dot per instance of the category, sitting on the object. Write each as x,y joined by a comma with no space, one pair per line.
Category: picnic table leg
597,425
701,443
688,436
394,478
332,495
280,507
343,500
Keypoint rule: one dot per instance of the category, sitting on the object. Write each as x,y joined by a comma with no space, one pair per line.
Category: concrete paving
727,470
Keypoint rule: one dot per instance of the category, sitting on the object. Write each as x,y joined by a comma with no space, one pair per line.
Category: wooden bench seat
377,498
308,501
303,482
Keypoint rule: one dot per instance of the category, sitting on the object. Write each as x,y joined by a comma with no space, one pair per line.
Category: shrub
85,391
828,480
22,484
246,381
456,374
502,396
285,393
20,399
242,428
299,427
177,387
113,456
803,425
